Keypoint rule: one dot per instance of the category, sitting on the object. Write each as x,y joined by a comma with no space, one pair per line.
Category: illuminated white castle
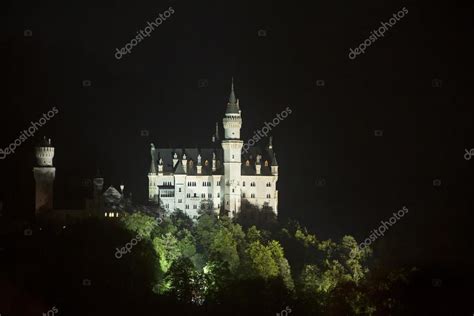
191,178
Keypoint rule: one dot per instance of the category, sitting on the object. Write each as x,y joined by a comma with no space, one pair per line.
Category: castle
219,178
189,179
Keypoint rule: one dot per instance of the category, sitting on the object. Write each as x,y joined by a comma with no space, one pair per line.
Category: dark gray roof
191,155
267,155
206,154
179,169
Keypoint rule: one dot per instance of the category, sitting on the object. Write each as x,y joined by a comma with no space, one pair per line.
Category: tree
139,223
261,261
250,215
181,222
181,278
282,263
206,227
167,249
224,248
253,234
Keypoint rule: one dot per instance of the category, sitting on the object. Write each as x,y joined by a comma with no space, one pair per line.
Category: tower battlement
44,153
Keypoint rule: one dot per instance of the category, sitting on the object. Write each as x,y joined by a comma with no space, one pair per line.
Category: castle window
243,183
206,163
252,184
111,214
233,190
266,163
190,163
243,195
218,195
219,183
209,183
247,163
203,195
180,201
252,195
194,206
116,214
105,214
268,196
179,189
195,195
188,195
209,195
187,206
233,157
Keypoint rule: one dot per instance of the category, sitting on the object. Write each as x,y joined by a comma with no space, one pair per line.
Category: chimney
160,166
199,165
213,162
258,165
185,163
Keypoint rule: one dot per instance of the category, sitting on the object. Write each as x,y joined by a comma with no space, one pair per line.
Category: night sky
336,176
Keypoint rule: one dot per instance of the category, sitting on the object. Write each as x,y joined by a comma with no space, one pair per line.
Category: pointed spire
232,99
274,160
270,143
153,159
233,105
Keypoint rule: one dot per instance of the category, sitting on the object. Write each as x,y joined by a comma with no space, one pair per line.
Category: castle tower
44,174
153,175
232,146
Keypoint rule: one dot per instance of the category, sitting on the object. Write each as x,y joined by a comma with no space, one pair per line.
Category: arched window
206,163
247,163
266,163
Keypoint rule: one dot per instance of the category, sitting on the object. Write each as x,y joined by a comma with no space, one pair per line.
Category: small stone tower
44,174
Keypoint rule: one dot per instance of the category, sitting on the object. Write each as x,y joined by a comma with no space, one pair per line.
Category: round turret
44,153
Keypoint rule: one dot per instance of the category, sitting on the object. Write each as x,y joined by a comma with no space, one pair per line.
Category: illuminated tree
224,248
139,223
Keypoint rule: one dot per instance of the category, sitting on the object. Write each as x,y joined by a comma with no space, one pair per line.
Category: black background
329,135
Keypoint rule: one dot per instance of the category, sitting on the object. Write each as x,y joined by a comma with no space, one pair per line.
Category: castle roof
266,154
167,154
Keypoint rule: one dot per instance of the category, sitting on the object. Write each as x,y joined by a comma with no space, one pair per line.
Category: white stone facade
223,175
